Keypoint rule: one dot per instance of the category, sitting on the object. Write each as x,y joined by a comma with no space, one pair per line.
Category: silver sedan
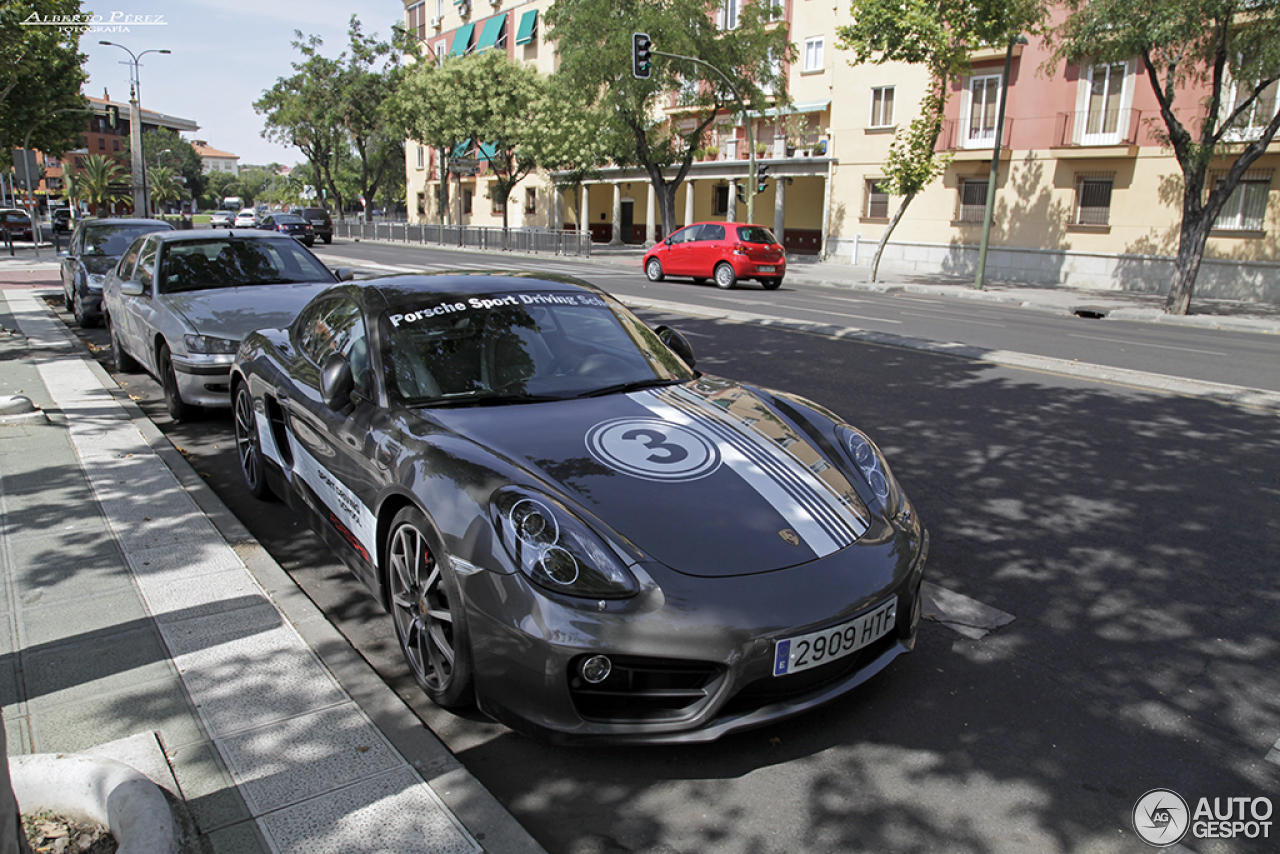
179,303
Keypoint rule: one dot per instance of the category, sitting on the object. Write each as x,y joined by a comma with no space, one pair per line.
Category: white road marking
958,612
1141,344
951,316
738,301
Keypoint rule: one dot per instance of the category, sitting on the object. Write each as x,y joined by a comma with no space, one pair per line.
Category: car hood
708,477
233,313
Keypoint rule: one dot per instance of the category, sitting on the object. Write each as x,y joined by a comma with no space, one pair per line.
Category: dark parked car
529,479
724,251
320,221
96,246
16,224
61,219
290,224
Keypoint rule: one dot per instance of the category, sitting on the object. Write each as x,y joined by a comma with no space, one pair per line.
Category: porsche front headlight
557,550
874,469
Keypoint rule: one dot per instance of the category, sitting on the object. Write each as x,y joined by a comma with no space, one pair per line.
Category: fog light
596,669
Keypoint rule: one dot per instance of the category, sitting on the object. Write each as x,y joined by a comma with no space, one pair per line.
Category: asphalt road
1212,355
1131,534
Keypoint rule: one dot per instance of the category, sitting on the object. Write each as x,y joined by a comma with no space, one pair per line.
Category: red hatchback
724,251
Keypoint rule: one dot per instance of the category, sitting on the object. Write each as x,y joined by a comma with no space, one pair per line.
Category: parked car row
509,464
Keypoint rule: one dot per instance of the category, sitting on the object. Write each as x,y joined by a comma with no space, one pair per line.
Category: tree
594,39
165,147
164,185
571,139
40,74
1213,66
365,88
100,179
940,35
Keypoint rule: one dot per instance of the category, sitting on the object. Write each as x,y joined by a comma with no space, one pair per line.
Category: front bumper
693,657
204,380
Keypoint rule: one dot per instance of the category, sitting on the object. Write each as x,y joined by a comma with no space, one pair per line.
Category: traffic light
737,190
641,61
113,115
762,173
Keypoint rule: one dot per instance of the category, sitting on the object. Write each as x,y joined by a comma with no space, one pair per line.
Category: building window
466,200
422,203
421,158
813,54
440,47
877,196
1093,201
882,107
530,200
728,19
102,144
983,94
115,145
1246,207
499,203
973,199
1250,123
720,200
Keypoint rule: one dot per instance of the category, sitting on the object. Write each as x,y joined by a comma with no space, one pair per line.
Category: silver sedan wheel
428,614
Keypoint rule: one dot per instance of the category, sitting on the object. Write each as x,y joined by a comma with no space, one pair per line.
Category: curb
103,791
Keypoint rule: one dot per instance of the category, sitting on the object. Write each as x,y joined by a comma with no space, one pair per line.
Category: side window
130,259
711,232
147,265
336,326
686,235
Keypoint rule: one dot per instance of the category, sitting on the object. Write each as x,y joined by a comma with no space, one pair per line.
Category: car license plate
791,655
768,269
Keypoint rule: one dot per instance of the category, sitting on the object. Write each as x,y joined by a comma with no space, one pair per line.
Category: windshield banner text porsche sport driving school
488,303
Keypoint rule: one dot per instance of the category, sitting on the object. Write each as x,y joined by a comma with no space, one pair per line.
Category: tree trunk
884,238
1191,242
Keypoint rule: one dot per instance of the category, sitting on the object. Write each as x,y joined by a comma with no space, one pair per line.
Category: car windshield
289,219
232,262
113,240
756,234
515,347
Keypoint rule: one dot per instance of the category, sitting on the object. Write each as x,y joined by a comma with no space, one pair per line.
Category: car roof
197,235
103,220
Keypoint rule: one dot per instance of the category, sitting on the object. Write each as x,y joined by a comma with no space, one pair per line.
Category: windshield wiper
485,398
632,385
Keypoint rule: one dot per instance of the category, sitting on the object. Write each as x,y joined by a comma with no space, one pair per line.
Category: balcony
970,139
1097,133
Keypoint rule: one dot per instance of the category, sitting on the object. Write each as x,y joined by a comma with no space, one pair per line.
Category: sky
225,53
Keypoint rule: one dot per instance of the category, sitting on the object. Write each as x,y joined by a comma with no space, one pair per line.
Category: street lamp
158,153
140,200
1016,39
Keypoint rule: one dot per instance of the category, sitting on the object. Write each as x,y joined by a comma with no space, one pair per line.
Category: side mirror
336,381
344,274
667,242
677,343
131,288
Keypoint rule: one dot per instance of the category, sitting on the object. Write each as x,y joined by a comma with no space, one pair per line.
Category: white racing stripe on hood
808,504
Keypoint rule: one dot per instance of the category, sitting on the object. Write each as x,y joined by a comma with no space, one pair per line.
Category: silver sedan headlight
207,345
94,281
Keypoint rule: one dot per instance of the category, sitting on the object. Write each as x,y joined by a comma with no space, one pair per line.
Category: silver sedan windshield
234,262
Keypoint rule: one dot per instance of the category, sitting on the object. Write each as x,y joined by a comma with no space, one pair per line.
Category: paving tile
396,809
53,568
298,758
243,838
72,727
112,661
207,787
95,618
202,594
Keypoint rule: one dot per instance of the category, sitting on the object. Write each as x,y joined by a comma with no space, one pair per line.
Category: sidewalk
138,611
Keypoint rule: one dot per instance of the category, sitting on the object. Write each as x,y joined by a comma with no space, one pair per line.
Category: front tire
426,606
726,278
249,445
179,410
653,270
77,309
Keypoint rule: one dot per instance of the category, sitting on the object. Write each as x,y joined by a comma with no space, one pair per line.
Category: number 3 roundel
653,449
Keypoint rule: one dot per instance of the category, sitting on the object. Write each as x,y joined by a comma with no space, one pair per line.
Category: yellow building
1086,194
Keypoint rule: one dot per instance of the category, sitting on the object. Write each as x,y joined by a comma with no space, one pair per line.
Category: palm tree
165,186
72,186
98,175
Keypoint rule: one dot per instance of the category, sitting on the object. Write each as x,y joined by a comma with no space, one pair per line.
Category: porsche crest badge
789,536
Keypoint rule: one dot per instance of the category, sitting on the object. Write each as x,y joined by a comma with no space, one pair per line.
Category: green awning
492,31
462,40
462,149
528,22
488,151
